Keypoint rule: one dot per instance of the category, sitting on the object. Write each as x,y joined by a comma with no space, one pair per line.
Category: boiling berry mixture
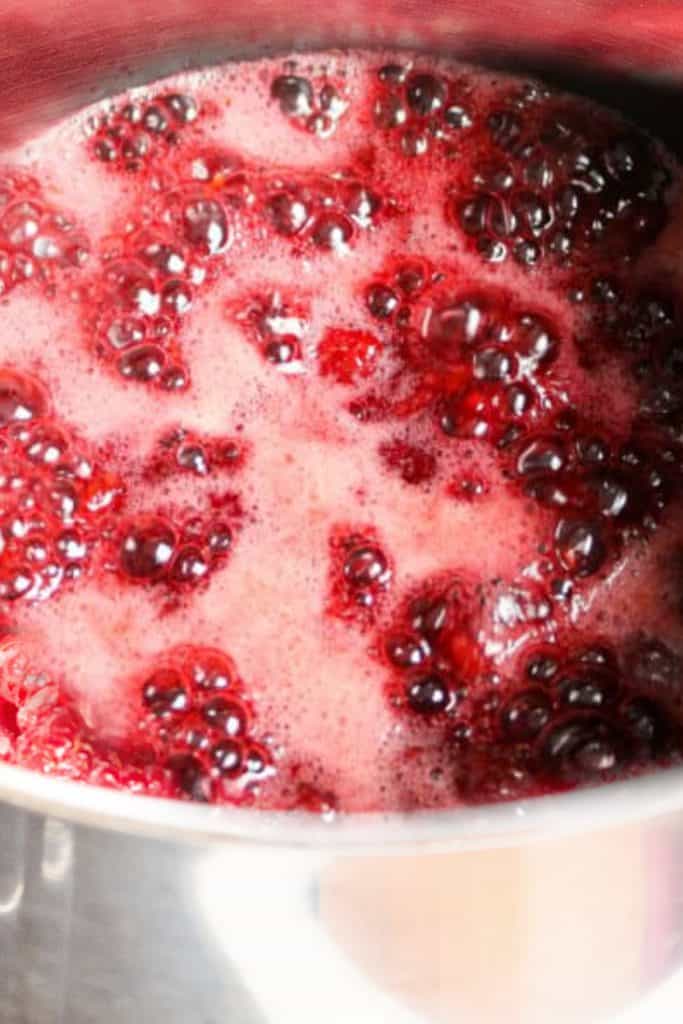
341,440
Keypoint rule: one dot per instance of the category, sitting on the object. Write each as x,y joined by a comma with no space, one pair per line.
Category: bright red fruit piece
348,356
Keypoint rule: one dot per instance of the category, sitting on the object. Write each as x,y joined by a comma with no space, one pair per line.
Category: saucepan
116,909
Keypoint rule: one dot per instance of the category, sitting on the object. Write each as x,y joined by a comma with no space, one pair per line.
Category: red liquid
341,440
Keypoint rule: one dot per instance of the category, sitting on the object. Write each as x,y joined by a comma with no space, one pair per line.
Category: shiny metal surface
112,928
566,911
105,931
56,55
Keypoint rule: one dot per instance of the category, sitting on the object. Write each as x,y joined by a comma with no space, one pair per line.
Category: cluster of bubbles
35,239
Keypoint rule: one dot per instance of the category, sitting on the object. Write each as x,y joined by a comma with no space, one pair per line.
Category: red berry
348,355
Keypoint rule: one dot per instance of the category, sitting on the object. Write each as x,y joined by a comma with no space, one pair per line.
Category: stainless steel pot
118,910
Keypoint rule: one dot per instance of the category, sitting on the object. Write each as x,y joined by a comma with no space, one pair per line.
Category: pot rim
489,825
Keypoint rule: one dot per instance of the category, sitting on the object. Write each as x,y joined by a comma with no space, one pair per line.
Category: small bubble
322,125
332,231
155,120
393,74
184,108
142,363
288,212
457,117
206,226
425,93
294,94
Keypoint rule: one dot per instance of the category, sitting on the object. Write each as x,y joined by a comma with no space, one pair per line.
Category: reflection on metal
57,851
12,904
266,919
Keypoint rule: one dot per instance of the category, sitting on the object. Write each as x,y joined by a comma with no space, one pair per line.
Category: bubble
21,222
457,117
382,301
22,398
147,548
362,204
429,695
206,227
176,296
408,652
366,566
390,112
294,94
228,715
106,150
580,546
426,94
184,108
227,756
322,125
581,746
492,363
394,74
164,693
189,565
526,715
541,456
155,120
505,128
142,363
133,287
332,231
414,142
289,213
